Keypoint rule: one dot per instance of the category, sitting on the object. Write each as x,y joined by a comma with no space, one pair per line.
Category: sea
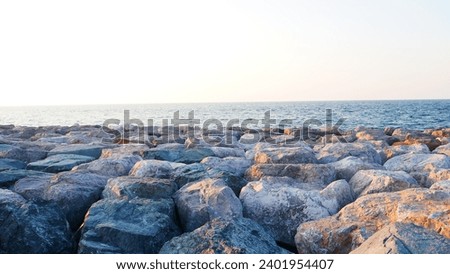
413,114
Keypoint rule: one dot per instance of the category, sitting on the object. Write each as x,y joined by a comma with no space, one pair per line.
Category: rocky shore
88,189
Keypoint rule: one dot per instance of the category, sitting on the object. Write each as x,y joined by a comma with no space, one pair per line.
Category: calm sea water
417,114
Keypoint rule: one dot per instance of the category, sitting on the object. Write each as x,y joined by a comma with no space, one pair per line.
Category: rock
317,174
200,202
27,227
233,181
347,167
58,163
128,226
223,152
355,223
280,205
17,153
189,173
422,138
112,166
152,168
75,192
417,162
9,177
131,187
238,236
93,151
404,238
397,150
445,149
340,191
401,133
233,165
33,186
442,185
335,152
375,181
285,155
371,134
9,164
187,156
428,178
125,150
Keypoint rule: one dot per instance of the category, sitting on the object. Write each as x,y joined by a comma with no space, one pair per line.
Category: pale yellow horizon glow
128,52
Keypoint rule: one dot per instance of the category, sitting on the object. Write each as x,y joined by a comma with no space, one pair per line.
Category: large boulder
280,204
444,149
397,150
9,177
189,173
238,236
60,162
27,227
21,154
347,167
93,151
181,155
338,151
417,162
429,177
285,155
153,168
33,186
131,187
316,174
111,166
355,223
75,192
9,164
375,181
422,138
442,185
125,150
223,152
405,238
128,226
200,202
234,165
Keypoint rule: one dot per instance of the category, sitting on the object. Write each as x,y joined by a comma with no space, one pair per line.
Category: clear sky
103,52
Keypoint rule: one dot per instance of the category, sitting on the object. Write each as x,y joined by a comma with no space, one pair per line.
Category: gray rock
234,165
33,186
18,153
125,150
375,181
9,177
397,150
340,191
128,226
187,156
429,177
285,155
238,236
93,151
223,152
131,187
152,168
59,163
200,202
235,182
347,167
112,166
442,185
75,192
444,149
317,174
356,222
417,162
189,173
335,152
27,227
404,238
9,164
280,205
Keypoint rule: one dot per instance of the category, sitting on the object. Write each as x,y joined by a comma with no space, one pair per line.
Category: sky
113,52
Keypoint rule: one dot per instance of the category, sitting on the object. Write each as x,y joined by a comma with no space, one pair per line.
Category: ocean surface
414,114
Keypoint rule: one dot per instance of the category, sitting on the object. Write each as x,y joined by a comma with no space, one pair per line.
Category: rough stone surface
347,167
445,149
238,236
186,156
200,202
442,185
9,177
404,238
131,187
93,151
280,205
234,165
58,163
285,155
375,181
9,164
397,150
27,227
335,152
152,168
417,162
223,152
355,223
112,166
128,226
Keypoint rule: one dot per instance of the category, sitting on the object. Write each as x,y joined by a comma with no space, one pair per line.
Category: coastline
94,189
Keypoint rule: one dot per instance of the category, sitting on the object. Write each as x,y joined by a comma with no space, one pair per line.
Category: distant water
418,114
